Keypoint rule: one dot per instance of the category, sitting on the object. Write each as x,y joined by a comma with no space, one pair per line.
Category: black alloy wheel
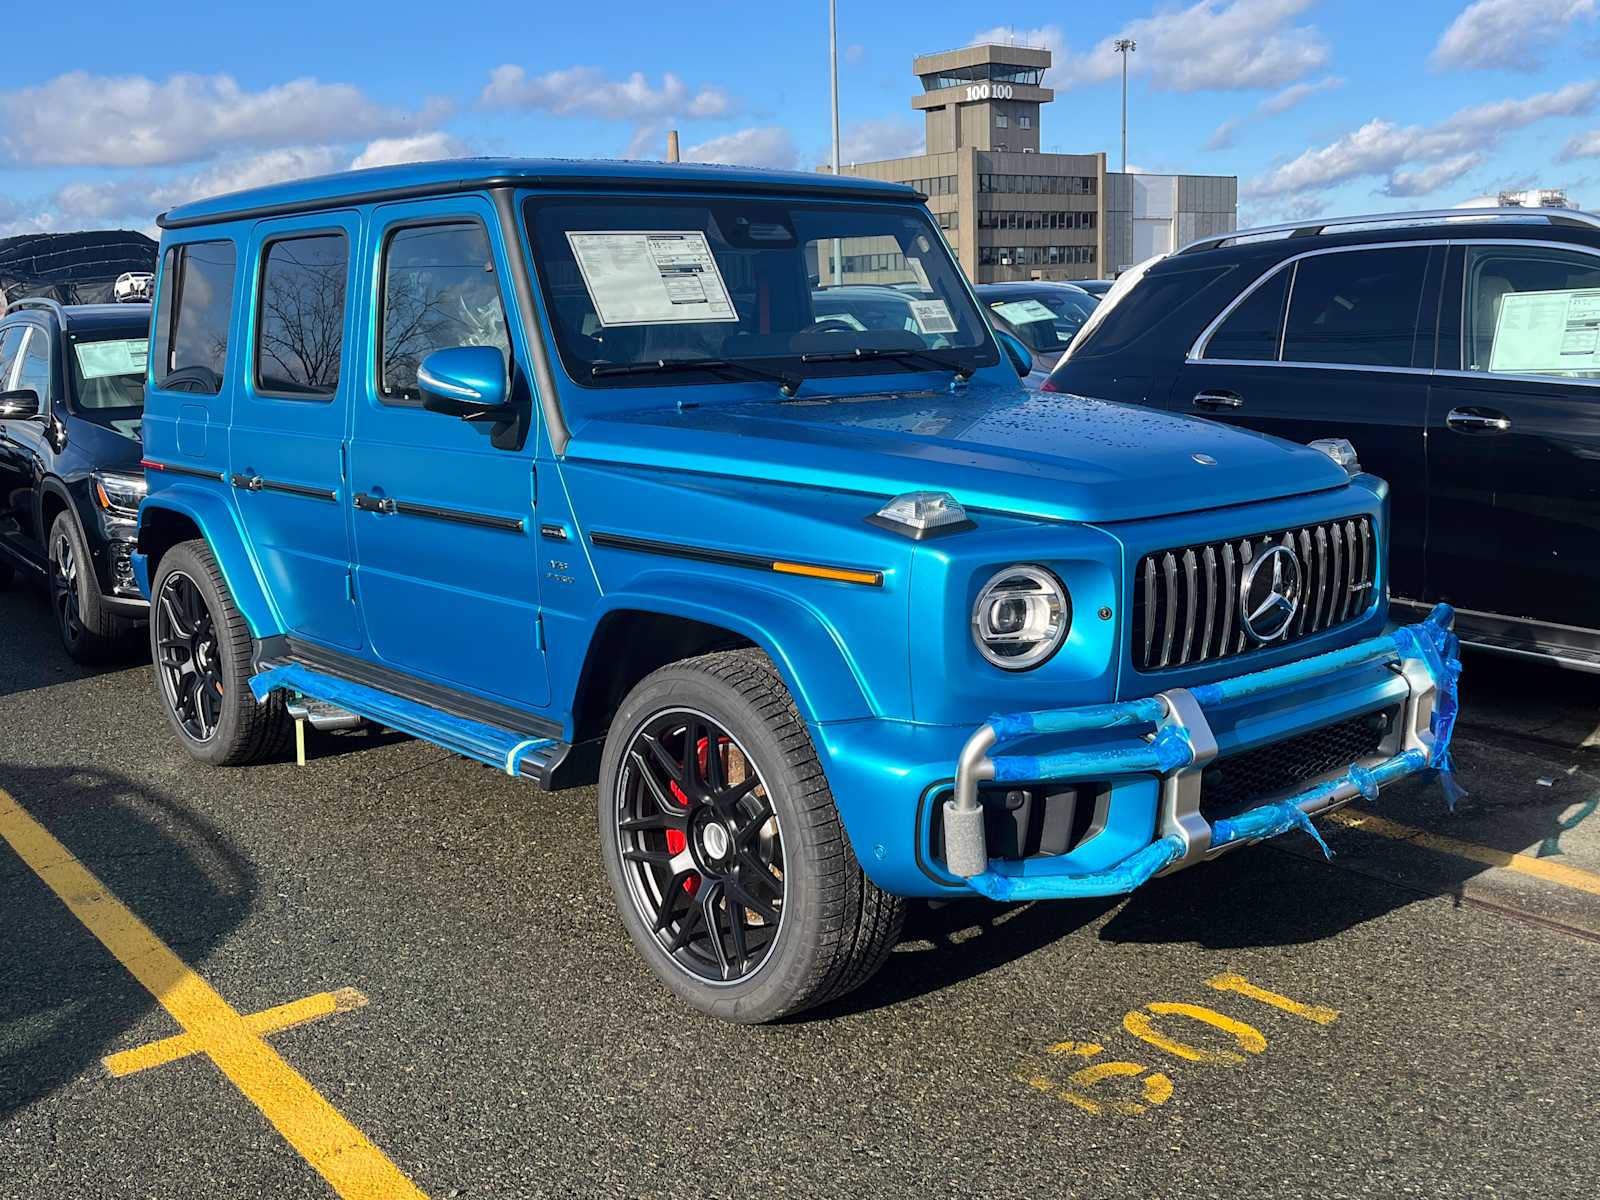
64,585
701,847
188,660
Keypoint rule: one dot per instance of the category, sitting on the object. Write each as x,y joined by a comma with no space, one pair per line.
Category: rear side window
1255,326
33,373
1159,297
191,326
1532,310
440,290
300,328
1356,307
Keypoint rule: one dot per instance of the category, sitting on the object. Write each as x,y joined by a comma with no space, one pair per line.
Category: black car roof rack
1294,229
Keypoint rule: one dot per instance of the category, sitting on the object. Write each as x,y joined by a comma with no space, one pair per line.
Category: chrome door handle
1218,400
1485,419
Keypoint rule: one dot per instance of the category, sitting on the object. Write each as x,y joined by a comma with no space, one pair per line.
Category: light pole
1124,47
833,80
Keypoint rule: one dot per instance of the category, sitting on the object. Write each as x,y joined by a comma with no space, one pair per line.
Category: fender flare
825,681
219,526
54,485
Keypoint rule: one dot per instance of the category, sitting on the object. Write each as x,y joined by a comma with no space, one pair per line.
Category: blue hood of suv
1047,455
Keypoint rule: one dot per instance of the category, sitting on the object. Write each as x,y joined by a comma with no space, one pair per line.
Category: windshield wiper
963,369
787,382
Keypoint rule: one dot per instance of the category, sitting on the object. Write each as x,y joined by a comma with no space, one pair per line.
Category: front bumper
1177,748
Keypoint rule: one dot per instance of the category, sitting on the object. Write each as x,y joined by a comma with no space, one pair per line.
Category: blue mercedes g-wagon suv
572,468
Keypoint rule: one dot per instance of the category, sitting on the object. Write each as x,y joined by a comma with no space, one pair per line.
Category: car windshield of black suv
659,290
108,378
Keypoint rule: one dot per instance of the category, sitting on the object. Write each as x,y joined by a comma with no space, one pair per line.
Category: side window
1356,307
10,344
1532,310
300,333
1254,328
34,370
192,319
440,290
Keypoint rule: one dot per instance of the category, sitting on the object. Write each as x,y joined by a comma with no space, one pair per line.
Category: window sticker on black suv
1532,310
651,278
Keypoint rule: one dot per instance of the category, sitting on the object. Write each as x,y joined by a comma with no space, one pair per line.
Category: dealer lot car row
574,469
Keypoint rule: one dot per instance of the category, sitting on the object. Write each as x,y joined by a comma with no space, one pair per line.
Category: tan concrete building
1011,211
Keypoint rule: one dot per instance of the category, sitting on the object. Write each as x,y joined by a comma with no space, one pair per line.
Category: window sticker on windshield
1547,331
100,360
656,278
932,316
1023,312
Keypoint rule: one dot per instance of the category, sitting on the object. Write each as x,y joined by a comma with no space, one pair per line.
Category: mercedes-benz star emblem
1269,594
1205,460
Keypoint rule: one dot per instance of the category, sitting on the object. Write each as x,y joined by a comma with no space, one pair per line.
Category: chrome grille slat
1187,611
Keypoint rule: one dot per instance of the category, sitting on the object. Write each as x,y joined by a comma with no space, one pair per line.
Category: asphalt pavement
1417,1017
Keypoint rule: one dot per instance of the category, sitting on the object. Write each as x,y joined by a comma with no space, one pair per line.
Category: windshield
1047,321
791,287
108,374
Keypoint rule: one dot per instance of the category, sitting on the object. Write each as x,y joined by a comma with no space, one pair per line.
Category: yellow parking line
1525,864
271,1020
336,1149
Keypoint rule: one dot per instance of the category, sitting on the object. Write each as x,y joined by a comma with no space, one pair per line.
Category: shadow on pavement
65,1002
36,658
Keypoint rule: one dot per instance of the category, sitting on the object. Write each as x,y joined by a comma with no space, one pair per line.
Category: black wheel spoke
711,913
675,890
659,857
749,900
656,821
657,792
660,754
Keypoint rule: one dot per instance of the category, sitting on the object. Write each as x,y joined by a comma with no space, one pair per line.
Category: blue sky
1319,107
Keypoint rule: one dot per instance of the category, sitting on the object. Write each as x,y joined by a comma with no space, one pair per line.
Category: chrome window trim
1197,350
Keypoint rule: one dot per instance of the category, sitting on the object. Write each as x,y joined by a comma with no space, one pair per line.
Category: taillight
1049,385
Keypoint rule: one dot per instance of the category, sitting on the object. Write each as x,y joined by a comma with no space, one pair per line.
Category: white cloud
1425,180
1584,145
585,91
1506,34
424,147
80,119
1221,45
868,141
1381,147
767,146
1275,104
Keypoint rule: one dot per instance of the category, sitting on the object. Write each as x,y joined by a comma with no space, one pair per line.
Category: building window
1001,121
1024,122
1037,185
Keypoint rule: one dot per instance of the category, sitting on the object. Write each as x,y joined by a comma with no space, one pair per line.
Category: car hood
1048,454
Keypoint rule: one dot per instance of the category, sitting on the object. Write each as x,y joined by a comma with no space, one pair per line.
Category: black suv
71,399
1459,352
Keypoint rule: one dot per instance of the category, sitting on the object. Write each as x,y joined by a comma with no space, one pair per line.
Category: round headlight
1021,617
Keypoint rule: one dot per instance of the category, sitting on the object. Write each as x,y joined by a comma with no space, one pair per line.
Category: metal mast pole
833,84
1124,46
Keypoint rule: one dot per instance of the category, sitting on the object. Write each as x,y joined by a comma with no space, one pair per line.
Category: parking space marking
338,1151
1319,1013
1525,864
271,1020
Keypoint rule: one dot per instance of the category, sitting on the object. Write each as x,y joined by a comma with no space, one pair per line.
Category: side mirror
20,404
1020,357
468,382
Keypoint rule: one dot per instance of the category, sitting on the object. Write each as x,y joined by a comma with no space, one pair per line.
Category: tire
200,647
88,629
673,873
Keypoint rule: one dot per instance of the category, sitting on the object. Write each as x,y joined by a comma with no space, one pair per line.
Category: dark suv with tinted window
1458,351
71,403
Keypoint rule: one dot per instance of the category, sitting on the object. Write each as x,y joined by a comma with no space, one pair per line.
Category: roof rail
44,302
1554,216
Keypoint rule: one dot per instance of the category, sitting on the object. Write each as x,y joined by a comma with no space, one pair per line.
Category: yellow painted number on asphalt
1108,1086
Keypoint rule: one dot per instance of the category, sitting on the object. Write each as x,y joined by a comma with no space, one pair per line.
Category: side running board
530,757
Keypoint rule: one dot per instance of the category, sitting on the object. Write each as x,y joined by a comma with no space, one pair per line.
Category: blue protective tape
1439,650
1008,727
1267,821
1170,750
1128,874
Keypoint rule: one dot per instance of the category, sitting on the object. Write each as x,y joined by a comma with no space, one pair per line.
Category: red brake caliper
677,842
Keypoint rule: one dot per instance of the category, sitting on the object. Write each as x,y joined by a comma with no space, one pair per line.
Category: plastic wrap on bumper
1178,719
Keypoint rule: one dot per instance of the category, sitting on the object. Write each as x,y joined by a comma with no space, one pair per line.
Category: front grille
1230,785
1186,601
